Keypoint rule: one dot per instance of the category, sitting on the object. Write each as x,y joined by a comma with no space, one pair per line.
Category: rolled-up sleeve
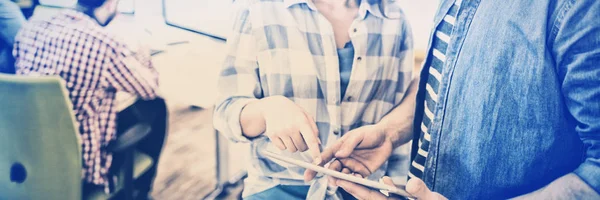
239,82
132,73
577,52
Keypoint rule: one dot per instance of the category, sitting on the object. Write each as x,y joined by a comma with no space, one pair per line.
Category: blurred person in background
11,20
301,74
95,64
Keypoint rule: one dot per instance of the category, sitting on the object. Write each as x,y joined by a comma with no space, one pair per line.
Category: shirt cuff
590,174
233,121
569,186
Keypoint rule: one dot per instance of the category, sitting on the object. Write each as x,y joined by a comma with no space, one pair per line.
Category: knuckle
301,119
291,129
280,146
291,147
283,132
272,136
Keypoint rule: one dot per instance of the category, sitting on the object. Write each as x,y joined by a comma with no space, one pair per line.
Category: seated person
301,74
11,20
95,65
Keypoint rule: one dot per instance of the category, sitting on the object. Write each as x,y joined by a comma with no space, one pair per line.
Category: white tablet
339,175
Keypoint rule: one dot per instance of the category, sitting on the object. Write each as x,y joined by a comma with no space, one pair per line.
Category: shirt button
355,30
336,132
359,58
349,98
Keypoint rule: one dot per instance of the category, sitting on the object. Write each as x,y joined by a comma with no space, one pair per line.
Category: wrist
259,108
383,127
253,120
391,133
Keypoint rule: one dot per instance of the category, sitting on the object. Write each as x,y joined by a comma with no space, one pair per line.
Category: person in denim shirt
518,105
11,20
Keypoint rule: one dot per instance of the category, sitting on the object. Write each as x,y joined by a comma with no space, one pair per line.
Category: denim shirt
519,101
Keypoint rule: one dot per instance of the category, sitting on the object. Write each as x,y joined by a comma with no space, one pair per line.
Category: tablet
339,175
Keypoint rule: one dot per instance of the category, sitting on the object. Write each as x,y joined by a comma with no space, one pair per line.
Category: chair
40,154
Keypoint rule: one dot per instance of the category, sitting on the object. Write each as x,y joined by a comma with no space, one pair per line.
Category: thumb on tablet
419,190
324,157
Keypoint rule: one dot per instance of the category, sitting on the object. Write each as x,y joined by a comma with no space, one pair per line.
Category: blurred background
187,39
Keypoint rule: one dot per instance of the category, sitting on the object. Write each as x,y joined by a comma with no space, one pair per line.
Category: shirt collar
366,6
290,3
74,14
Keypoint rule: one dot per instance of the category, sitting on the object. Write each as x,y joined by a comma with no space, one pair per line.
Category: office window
207,17
59,3
125,6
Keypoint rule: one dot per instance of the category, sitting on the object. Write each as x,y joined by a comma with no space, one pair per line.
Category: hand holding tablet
339,175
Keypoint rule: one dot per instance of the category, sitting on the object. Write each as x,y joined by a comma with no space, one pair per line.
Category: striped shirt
285,47
94,65
439,46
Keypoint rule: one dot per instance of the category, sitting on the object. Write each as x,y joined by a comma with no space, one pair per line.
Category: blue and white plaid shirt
285,47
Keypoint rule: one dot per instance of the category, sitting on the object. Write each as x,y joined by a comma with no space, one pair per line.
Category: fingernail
358,175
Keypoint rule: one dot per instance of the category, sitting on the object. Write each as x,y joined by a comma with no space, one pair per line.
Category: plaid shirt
285,47
95,65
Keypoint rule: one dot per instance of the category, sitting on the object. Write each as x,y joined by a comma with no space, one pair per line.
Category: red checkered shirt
94,65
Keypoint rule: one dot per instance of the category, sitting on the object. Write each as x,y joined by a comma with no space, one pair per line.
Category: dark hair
91,3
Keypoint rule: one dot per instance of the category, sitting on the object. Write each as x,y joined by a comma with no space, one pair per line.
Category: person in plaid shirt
302,74
95,65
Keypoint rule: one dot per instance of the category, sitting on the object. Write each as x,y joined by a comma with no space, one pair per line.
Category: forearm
569,186
252,120
140,79
398,124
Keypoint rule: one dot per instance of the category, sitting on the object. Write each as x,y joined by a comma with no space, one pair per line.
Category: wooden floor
187,167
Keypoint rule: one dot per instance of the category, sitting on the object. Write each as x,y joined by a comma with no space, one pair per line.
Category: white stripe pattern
424,128
428,112
458,2
435,73
449,19
438,54
418,166
426,134
423,152
411,175
432,93
442,36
